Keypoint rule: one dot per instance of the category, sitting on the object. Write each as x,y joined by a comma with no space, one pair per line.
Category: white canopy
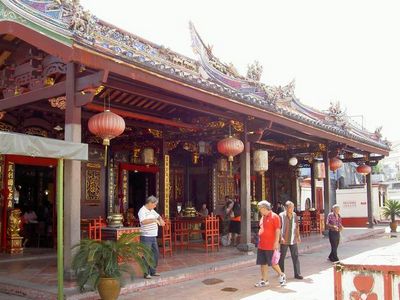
29,145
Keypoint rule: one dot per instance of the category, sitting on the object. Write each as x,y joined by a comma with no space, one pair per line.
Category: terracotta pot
109,288
393,226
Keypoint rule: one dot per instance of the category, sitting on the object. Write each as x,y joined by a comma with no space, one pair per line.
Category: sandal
261,283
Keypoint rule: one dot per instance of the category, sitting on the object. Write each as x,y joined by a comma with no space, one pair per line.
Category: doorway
35,186
141,186
199,190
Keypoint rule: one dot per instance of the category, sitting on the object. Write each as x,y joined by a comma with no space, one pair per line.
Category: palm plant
109,259
391,209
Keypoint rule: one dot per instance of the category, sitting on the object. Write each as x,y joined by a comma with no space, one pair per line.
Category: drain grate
229,289
211,281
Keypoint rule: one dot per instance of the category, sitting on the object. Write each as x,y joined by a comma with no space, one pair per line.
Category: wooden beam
297,135
90,81
162,97
138,116
135,109
272,144
7,45
33,96
81,99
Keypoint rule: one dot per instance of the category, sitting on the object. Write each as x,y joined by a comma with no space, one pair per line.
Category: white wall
305,192
353,202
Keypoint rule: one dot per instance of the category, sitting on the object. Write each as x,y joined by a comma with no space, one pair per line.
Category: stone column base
248,247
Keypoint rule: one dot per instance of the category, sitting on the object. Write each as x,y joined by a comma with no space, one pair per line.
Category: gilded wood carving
93,181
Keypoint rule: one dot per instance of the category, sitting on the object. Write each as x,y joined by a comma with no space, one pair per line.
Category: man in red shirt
269,235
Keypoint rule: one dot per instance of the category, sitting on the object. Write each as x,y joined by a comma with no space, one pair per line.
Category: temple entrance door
141,186
34,187
199,190
136,182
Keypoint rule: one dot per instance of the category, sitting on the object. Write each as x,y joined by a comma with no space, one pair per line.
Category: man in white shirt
149,221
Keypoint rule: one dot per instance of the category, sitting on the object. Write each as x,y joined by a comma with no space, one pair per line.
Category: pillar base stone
247,247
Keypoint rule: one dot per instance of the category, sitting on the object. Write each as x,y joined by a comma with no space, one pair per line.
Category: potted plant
391,210
101,264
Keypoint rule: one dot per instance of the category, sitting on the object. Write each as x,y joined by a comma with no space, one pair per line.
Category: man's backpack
236,209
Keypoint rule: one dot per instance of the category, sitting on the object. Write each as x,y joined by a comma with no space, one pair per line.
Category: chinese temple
190,131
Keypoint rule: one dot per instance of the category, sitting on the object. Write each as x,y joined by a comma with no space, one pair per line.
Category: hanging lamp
230,147
293,161
260,161
335,163
106,125
363,169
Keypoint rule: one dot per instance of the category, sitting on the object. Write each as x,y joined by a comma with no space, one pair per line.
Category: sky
342,50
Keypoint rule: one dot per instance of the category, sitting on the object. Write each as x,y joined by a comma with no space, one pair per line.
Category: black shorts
234,227
264,257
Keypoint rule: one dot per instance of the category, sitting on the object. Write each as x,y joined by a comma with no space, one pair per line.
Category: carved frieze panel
225,187
93,183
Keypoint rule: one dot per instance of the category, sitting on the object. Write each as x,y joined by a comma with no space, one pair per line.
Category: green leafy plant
391,209
109,259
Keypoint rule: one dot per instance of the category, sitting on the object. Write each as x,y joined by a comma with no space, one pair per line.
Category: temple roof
67,22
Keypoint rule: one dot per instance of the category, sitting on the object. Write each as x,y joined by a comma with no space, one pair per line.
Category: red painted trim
355,222
139,168
387,283
32,161
337,286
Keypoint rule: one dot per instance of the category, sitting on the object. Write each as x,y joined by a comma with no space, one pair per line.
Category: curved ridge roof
69,23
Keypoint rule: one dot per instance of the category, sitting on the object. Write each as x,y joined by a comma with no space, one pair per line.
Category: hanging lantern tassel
230,159
107,126
106,143
230,147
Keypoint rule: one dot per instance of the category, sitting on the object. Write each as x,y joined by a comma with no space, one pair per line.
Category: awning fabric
29,145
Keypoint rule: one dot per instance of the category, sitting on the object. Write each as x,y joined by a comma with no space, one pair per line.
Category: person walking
290,237
149,221
334,225
269,235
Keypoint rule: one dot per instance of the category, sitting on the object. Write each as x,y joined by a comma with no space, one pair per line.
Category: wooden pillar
369,201
72,174
327,185
313,191
263,187
245,197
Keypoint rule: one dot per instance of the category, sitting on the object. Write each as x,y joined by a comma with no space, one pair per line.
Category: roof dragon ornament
337,115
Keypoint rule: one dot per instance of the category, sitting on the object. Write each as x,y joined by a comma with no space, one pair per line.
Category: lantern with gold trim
106,125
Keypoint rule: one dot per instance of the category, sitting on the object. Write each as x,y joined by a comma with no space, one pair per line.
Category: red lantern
230,147
335,163
106,125
364,169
